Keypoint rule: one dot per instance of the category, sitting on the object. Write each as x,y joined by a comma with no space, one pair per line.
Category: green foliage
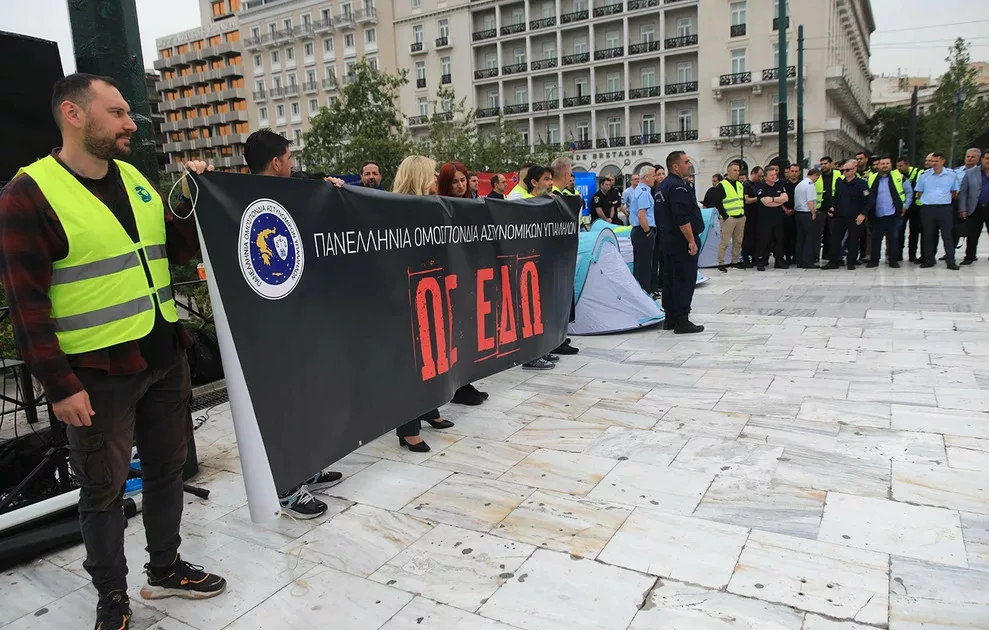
362,124
888,126
452,133
500,149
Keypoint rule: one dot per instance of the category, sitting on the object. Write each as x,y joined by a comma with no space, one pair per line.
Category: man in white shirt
807,217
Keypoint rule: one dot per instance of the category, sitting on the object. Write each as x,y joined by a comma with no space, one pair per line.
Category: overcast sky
911,35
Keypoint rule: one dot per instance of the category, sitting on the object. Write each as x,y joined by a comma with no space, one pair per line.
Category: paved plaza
817,459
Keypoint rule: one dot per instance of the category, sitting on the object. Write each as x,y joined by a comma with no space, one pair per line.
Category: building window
549,50
444,27
685,27
685,118
259,85
580,45
521,95
549,9
255,32
272,29
295,109
310,76
614,127
774,104
287,24
326,15
275,57
580,85
313,105
423,106
420,70
685,72
348,68
417,33
263,114
447,104
550,92
553,133
259,62
519,55
298,137
614,82
492,98
372,62
347,11
647,33
649,77
583,131
277,84
491,61
348,40
738,61
280,115
738,10
648,124
579,5
331,101
330,72
309,49
776,54
518,16
445,67
370,36
328,46
611,39
738,112
416,4
289,54
306,21
489,22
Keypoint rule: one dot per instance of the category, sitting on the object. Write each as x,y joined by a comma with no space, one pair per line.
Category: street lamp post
960,96
740,140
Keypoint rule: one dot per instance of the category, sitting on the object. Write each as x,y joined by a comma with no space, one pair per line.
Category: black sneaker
894,264
538,364
552,358
670,323
722,269
926,265
182,580
113,612
872,264
851,266
302,504
566,348
952,266
323,480
468,395
761,268
687,327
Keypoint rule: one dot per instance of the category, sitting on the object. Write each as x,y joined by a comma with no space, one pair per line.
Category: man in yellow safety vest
729,199
85,244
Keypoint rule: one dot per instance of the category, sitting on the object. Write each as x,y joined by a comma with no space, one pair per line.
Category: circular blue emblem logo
271,254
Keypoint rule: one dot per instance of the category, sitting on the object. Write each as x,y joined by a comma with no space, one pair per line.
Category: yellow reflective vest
734,203
819,185
897,183
100,294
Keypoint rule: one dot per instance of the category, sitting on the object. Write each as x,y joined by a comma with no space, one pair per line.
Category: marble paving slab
389,485
836,472
553,591
33,585
486,424
656,448
616,390
387,447
353,603
941,486
469,502
911,531
677,547
826,388
945,421
736,381
571,473
641,414
832,580
816,622
359,540
907,446
754,403
938,377
580,527
693,397
882,393
666,489
924,595
790,432
77,609
677,606
567,406
558,434
455,566
728,458
966,452
690,422
479,457
765,505
425,614
962,398
975,529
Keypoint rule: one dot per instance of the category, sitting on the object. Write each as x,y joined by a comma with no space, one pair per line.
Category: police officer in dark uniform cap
680,225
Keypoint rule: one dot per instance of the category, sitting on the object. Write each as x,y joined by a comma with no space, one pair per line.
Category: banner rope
195,197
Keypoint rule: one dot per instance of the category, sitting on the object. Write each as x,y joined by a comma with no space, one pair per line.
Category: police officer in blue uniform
680,225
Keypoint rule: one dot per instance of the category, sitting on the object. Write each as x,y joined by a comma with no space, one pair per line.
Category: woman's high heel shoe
420,447
440,424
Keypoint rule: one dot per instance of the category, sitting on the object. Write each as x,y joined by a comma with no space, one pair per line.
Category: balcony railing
609,9
635,5
487,73
645,138
346,20
485,34
604,143
681,136
773,126
260,95
444,116
543,64
644,47
420,83
329,84
680,42
609,53
276,92
776,23
609,97
321,26
738,78
577,101
310,86
520,108
582,145
576,16
252,43
515,68
446,78
737,30
546,106
545,22
416,47
681,88
442,42
512,29
773,74
304,31
569,60
488,112
730,131
368,14
645,92
291,89
415,121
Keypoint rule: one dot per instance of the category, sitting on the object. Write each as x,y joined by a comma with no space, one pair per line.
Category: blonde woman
416,175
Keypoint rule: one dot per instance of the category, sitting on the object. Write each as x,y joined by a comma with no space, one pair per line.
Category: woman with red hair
452,182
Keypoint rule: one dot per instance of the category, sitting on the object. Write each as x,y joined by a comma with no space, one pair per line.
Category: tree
452,133
363,124
889,125
500,148
940,116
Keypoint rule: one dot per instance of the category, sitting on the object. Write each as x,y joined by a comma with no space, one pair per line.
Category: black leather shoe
761,268
722,269
421,447
894,264
831,265
926,265
441,424
871,264
917,261
686,327
468,395
953,267
669,323
851,266
968,261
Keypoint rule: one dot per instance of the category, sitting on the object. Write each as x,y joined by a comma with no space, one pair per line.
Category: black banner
353,311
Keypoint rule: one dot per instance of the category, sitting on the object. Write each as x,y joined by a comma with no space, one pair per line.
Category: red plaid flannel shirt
31,238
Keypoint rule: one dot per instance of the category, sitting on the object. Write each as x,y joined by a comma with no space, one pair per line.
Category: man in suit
973,205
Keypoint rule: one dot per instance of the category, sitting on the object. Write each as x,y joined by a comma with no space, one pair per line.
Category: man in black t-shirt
602,204
749,239
771,195
793,177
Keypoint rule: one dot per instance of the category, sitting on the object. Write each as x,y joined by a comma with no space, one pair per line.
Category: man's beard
104,147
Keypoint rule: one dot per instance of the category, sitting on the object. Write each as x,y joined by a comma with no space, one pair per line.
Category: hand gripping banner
343,313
